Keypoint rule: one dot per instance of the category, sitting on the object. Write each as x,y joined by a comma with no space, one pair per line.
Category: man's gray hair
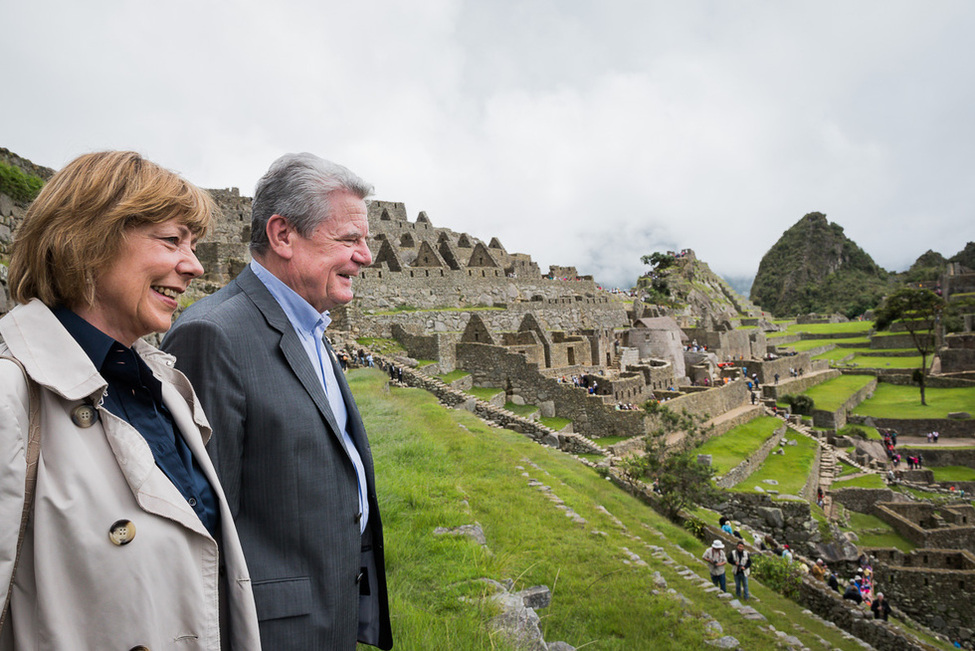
296,186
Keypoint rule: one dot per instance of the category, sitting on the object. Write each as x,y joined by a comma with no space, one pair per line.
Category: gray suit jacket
290,484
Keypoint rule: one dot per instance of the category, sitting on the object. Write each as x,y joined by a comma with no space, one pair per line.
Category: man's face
323,265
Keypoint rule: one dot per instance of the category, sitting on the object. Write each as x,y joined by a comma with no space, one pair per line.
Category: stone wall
943,456
741,472
767,368
437,346
788,521
712,402
830,605
861,500
568,317
896,341
919,427
933,586
794,385
732,344
591,415
837,419
904,518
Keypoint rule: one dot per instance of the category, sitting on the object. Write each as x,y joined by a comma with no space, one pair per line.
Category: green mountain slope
814,267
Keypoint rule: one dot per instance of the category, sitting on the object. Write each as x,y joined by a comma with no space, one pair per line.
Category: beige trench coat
75,588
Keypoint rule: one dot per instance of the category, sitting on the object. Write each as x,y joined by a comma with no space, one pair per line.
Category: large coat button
122,532
84,416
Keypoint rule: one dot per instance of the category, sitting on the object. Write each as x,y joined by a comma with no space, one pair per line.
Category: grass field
454,375
484,393
521,410
733,447
953,473
874,361
439,467
790,470
891,401
832,328
831,395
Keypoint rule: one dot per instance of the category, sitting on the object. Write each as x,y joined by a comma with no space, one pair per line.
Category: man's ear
280,236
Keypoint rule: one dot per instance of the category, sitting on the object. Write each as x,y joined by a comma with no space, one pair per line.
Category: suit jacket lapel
290,345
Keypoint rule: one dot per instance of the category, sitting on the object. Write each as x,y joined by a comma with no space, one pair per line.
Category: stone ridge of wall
949,428
565,441
767,368
741,472
837,419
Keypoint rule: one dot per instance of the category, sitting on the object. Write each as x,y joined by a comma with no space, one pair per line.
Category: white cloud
581,133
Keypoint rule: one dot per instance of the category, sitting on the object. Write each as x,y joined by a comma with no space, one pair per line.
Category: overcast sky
585,133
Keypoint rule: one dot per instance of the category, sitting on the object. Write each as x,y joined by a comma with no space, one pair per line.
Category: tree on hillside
919,312
679,478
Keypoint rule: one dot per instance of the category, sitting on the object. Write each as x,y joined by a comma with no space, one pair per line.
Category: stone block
538,596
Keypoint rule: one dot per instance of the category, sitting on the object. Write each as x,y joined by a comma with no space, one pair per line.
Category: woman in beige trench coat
119,552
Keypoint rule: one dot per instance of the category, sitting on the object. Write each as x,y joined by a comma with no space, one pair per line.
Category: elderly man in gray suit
288,441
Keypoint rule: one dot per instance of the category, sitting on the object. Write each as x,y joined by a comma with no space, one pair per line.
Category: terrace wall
837,419
713,401
795,385
948,428
933,586
904,518
943,456
741,472
591,415
861,500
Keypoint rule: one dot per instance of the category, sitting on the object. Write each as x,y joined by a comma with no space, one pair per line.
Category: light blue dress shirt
310,327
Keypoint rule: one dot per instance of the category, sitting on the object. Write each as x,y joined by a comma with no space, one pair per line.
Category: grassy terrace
831,328
954,473
891,401
831,395
484,393
874,532
438,467
453,376
790,470
733,447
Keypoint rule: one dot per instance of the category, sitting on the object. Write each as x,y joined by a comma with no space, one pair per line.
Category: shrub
800,404
17,185
780,574
696,527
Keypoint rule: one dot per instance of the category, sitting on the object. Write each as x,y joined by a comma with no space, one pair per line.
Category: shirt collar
93,341
299,311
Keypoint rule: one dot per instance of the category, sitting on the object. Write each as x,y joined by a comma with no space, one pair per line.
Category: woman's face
138,292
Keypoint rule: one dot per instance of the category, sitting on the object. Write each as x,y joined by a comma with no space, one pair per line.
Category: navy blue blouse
135,395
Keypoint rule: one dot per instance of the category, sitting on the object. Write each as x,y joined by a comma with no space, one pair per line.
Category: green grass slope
437,467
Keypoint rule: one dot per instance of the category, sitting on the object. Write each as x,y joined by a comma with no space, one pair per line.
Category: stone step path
691,570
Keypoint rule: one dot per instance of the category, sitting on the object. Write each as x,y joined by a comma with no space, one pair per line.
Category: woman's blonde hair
77,224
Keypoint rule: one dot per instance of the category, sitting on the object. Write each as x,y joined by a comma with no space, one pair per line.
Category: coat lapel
290,346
